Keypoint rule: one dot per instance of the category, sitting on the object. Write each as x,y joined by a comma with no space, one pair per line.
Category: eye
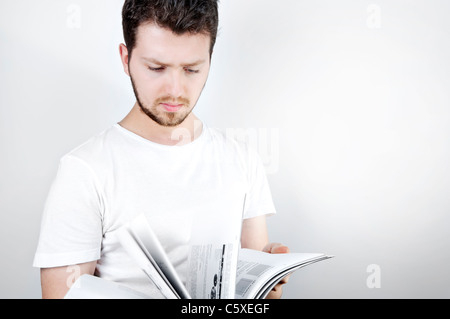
160,69
191,71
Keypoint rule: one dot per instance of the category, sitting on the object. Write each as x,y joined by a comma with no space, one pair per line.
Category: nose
175,85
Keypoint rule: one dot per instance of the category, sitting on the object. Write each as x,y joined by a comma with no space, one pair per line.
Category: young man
160,160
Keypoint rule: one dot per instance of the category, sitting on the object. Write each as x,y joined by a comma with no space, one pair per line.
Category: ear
123,50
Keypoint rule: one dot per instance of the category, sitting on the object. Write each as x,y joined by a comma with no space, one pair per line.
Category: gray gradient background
352,98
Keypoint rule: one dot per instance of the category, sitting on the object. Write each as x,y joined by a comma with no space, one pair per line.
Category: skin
167,70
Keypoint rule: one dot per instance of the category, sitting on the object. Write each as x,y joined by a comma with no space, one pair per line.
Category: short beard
170,119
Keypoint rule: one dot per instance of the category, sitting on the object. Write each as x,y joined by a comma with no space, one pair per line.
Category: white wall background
348,101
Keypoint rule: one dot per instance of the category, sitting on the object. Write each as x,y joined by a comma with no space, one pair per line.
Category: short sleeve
259,198
71,227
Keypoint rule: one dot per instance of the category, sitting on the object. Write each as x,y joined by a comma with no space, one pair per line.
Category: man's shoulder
95,148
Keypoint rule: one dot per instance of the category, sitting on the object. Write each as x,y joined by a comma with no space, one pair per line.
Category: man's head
179,16
168,53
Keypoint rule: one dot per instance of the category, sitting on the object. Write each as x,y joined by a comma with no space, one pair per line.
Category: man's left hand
277,248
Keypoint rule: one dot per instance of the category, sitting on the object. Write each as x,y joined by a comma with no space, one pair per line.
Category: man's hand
255,236
277,248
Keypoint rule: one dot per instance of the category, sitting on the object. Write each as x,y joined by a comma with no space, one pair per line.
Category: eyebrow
152,60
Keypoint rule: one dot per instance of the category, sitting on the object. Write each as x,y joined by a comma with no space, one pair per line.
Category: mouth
172,108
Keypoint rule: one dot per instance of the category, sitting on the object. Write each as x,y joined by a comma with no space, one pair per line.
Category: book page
92,287
144,247
135,249
142,230
270,284
210,269
213,253
258,272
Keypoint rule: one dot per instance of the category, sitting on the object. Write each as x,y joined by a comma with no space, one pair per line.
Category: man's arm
255,236
56,282
254,233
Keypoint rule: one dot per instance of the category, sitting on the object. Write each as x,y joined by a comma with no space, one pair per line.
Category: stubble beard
166,119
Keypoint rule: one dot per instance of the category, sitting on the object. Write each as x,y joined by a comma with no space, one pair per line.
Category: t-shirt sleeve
71,228
259,198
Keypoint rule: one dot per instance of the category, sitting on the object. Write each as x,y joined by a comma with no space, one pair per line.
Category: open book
216,271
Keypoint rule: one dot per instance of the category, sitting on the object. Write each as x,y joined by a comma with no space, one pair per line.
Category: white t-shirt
118,175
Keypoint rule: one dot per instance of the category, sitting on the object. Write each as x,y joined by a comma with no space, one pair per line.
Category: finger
275,293
285,280
276,248
268,247
280,249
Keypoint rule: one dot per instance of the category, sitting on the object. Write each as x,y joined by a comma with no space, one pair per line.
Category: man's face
168,72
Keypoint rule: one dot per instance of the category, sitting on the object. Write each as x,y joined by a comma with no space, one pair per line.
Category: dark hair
180,16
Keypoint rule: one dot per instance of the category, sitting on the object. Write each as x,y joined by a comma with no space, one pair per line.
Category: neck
139,123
